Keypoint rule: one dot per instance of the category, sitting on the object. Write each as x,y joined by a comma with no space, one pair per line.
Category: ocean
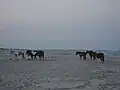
72,52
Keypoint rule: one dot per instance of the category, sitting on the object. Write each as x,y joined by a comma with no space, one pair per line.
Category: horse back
100,55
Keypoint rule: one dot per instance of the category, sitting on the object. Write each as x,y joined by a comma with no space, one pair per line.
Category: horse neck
29,54
77,53
89,53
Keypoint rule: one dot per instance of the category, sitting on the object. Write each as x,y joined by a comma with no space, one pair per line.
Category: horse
92,54
21,54
39,53
13,54
81,54
29,53
96,55
101,56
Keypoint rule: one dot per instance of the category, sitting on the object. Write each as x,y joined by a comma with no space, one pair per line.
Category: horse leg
32,57
84,57
91,57
23,56
28,56
94,57
102,59
39,57
80,57
35,57
43,57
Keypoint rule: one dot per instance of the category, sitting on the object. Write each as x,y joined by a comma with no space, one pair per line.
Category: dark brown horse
39,53
95,55
82,54
92,54
101,56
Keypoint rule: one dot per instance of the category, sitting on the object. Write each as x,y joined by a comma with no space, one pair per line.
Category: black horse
39,53
101,56
82,54
96,55
29,53
92,54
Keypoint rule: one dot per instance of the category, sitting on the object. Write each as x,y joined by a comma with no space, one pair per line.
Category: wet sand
61,72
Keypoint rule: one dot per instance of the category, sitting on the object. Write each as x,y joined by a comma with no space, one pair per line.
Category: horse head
28,52
35,50
78,53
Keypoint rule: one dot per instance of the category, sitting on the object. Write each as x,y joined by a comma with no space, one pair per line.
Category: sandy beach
63,71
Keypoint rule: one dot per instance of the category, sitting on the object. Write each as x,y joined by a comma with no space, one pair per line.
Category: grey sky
60,24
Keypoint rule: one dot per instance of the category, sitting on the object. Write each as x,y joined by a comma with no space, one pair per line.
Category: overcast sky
74,24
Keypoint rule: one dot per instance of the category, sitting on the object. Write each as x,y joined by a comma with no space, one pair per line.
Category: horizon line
57,48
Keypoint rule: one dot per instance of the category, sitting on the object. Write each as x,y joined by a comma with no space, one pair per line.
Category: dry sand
61,72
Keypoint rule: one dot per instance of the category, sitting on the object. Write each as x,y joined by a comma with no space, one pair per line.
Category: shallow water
62,71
